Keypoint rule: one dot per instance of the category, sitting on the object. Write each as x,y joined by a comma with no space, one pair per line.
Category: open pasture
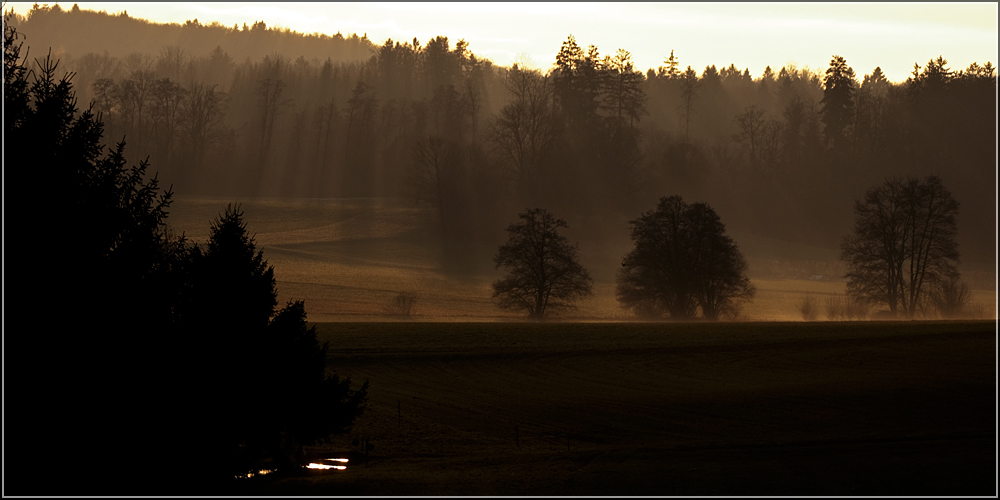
863,408
348,258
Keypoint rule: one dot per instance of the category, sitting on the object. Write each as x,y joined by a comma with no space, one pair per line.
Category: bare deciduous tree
543,273
751,123
950,297
903,243
402,304
201,119
524,129
167,100
430,172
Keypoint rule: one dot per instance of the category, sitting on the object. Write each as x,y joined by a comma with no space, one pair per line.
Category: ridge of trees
83,31
589,136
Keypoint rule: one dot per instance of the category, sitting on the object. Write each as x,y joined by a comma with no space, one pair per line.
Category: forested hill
76,32
778,152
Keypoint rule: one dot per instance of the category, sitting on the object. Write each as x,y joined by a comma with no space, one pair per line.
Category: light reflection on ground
312,465
324,466
250,474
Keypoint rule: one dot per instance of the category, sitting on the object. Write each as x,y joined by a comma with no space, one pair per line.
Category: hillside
75,32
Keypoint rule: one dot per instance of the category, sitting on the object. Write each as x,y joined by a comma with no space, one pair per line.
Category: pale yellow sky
750,35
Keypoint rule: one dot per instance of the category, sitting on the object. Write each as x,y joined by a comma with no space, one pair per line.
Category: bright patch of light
250,474
324,466
749,35
343,460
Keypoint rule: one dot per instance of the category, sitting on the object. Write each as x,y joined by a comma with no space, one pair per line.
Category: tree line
589,135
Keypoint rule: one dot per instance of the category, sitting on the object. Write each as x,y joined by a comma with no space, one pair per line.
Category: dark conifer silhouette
148,354
264,383
93,261
689,92
838,100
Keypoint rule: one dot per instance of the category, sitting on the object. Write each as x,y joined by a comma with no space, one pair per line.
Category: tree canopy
682,263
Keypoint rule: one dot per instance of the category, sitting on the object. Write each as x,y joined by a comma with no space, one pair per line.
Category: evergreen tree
150,359
838,101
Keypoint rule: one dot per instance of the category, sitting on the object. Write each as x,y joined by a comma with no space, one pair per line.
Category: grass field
887,408
469,400
348,258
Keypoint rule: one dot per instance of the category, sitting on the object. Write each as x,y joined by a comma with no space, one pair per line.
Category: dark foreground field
663,409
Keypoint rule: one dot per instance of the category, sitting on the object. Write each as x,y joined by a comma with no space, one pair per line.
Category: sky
890,35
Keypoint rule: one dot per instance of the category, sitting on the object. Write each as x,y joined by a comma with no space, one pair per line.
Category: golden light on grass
342,460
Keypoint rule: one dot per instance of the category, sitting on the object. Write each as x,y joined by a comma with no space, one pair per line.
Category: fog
251,113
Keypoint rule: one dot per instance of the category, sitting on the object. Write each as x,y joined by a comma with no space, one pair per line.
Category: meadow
348,259
821,408
466,399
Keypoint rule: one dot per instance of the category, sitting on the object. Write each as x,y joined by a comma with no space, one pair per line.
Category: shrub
844,308
808,307
402,304
950,298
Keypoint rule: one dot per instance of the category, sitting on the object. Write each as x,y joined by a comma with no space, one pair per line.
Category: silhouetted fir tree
623,89
838,101
672,69
577,82
689,92
259,375
147,361
92,259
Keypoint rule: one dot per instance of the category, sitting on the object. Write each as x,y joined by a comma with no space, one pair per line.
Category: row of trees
145,351
588,135
682,264
902,255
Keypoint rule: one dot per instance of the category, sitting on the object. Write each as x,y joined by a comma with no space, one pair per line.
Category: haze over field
349,258
588,248
451,137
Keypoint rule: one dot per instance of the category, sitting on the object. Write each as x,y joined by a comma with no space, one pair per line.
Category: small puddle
312,465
